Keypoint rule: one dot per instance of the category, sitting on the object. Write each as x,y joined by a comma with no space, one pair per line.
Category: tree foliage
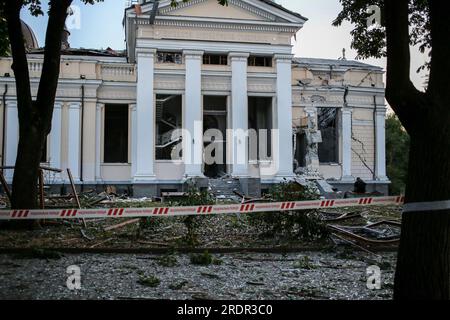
371,41
423,261
397,152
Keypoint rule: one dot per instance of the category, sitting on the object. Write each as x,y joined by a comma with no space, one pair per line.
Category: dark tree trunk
423,267
34,118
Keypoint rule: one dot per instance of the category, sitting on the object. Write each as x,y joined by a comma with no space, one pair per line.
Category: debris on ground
335,276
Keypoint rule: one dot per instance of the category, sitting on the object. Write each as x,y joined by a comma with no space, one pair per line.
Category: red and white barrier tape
196,210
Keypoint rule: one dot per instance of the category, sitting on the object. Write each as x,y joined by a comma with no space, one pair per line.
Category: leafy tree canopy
371,42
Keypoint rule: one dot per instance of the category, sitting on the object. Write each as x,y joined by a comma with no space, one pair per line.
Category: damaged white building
137,119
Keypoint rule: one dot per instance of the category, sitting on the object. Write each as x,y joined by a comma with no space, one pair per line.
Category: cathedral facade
202,92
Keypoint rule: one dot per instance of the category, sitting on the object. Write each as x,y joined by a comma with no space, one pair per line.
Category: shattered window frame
116,133
169,57
262,108
260,61
328,124
215,59
165,127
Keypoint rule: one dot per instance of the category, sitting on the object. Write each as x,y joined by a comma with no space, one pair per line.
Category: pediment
210,9
237,10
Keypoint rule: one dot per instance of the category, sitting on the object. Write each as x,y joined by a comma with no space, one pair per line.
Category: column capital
283,58
74,105
238,56
11,104
193,54
380,111
347,110
58,105
145,52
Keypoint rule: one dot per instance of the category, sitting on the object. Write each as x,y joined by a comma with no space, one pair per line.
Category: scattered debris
169,261
83,233
149,281
178,285
123,224
304,263
204,259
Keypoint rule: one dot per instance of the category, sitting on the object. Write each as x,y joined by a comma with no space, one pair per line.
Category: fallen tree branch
337,229
123,224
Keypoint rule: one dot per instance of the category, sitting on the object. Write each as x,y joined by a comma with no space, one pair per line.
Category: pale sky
101,27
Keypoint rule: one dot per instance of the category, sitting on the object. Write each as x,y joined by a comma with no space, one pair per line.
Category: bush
304,224
204,259
397,154
168,260
195,197
304,263
150,281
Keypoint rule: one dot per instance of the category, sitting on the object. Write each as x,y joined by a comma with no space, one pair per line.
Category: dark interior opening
116,133
328,125
260,119
168,122
215,117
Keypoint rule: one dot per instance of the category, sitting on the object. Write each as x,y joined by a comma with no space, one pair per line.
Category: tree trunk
34,117
423,266
25,190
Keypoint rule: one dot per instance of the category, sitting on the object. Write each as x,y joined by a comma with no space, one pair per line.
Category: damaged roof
85,52
311,62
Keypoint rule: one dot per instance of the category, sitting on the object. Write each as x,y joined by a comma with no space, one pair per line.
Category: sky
100,27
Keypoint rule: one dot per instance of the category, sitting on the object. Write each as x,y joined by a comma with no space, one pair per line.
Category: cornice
239,25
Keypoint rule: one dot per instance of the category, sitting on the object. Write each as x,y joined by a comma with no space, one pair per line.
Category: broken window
328,125
259,61
300,148
260,126
170,57
214,139
215,59
116,133
168,127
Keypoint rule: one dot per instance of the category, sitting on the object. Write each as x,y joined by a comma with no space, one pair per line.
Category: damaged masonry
144,120
188,115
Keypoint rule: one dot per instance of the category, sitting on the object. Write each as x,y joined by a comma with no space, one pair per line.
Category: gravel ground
309,275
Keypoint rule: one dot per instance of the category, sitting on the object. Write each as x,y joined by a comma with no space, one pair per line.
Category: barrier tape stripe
427,206
196,210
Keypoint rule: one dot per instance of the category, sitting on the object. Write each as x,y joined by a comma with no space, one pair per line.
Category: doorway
214,129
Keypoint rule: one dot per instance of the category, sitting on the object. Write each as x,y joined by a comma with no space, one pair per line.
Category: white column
12,137
239,114
284,145
133,139
74,139
380,140
98,141
55,139
193,115
145,124
347,144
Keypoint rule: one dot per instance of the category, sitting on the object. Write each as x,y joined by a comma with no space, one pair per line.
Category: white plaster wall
165,170
364,147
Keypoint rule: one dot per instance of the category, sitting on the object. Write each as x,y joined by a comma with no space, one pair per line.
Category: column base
348,179
284,177
382,179
200,182
143,179
147,190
